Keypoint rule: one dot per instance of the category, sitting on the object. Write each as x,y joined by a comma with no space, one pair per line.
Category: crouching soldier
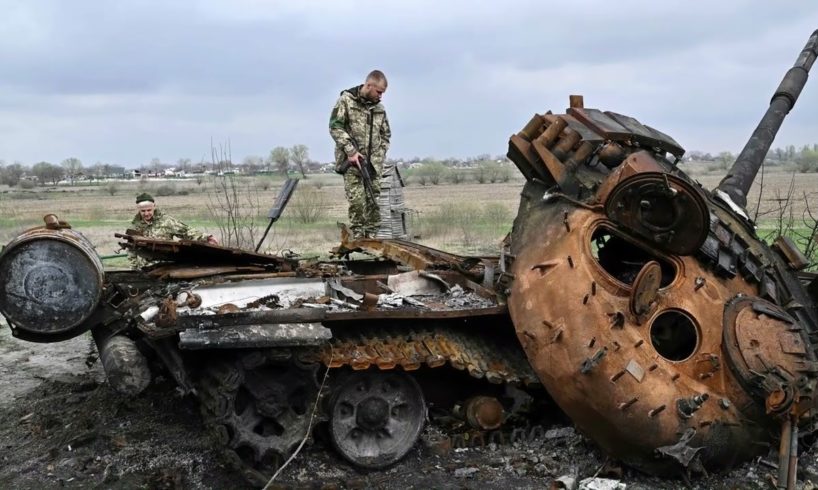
150,222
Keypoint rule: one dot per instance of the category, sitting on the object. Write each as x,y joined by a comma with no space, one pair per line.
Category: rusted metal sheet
195,272
414,255
647,136
200,253
600,123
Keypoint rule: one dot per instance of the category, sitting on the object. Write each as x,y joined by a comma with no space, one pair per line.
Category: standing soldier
359,126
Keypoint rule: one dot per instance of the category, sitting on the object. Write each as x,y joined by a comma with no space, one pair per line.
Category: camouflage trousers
364,216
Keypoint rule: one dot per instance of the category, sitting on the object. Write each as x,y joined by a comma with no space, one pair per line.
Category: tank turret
659,321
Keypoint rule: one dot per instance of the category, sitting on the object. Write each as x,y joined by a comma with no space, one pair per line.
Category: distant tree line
45,173
804,159
284,160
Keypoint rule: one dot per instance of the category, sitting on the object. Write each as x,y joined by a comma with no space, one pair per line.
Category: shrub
166,190
432,172
308,205
457,177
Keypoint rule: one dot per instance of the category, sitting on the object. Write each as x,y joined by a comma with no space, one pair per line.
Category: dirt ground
61,426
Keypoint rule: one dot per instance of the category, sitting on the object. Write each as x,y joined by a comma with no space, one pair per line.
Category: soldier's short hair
377,76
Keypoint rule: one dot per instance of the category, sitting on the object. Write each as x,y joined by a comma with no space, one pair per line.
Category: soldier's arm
337,127
386,136
135,261
178,229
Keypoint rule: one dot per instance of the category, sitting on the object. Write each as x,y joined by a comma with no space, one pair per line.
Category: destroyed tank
653,313
646,306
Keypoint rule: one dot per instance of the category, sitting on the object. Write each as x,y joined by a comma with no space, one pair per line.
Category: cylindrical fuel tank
125,366
51,281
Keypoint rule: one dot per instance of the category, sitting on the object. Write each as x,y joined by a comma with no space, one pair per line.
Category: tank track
259,424
257,407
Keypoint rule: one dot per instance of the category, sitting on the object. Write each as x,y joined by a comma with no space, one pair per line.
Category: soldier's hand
355,159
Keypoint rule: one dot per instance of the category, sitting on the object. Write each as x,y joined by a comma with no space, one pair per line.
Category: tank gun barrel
739,179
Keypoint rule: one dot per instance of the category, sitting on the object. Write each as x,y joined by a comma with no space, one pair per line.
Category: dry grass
465,218
98,215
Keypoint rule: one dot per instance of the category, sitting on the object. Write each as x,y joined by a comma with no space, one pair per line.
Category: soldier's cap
144,197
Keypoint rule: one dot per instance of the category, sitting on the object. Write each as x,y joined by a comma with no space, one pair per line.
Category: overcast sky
126,81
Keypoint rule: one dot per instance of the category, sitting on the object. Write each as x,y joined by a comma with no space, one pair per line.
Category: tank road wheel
376,417
258,407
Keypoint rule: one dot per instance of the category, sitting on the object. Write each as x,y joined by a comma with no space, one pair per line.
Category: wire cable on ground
309,425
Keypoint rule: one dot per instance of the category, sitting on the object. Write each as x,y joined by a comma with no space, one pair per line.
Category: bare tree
280,158
252,164
234,206
183,164
300,154
47,172
807,237
73,168
11,174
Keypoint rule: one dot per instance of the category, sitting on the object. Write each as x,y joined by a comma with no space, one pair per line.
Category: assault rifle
363,167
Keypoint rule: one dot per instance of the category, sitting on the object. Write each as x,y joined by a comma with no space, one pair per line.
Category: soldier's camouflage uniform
358,124
163,227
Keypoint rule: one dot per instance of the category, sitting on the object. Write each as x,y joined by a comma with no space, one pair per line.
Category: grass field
464,218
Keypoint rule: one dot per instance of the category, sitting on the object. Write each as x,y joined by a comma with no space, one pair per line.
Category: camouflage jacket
359,124
165,227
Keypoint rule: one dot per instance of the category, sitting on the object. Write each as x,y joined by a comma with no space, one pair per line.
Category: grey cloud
126,81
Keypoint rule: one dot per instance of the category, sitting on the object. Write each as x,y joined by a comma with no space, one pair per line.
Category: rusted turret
658,320
740,178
